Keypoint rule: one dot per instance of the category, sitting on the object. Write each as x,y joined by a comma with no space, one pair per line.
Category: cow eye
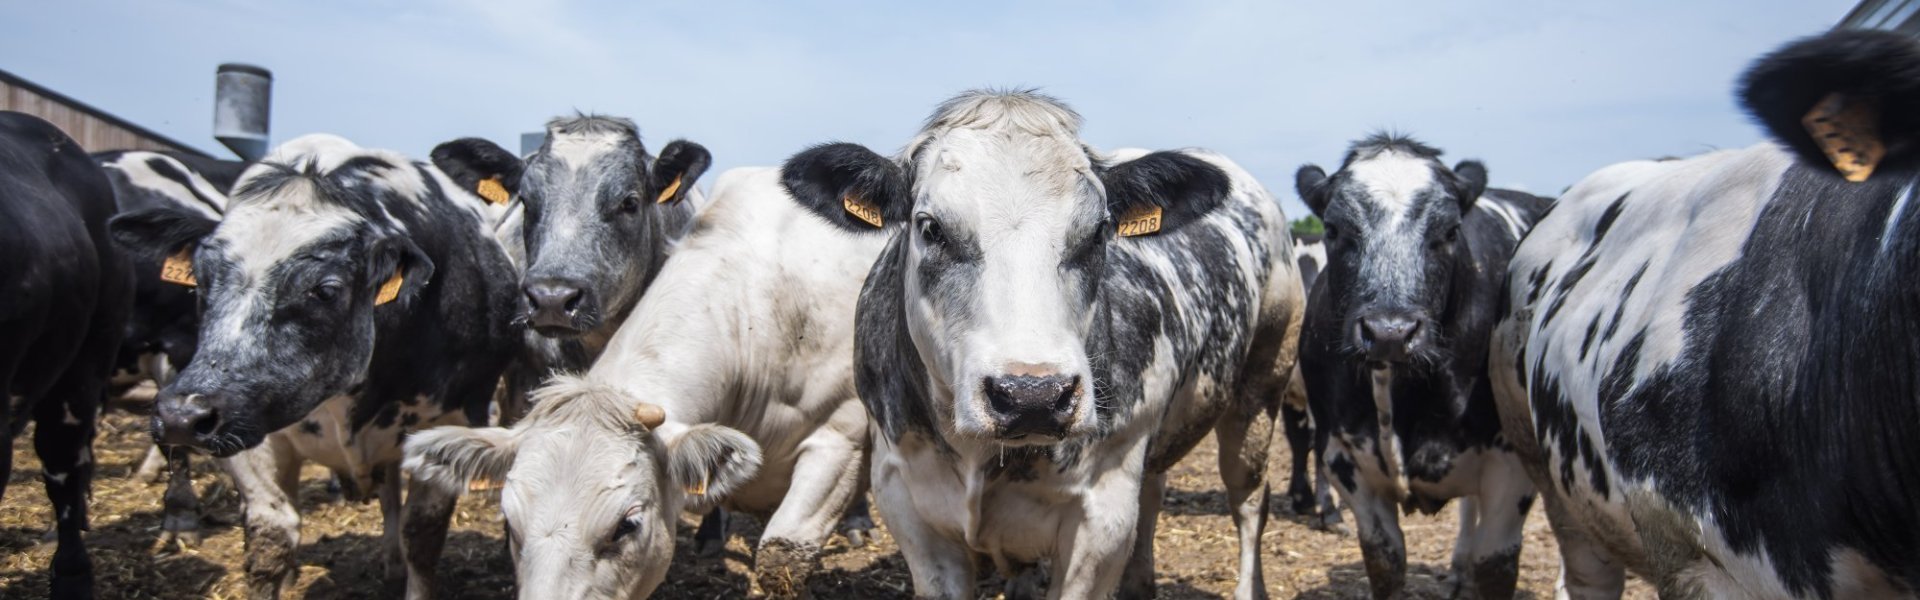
1332,233
327,291
1453,233
930,231
631,203
627,526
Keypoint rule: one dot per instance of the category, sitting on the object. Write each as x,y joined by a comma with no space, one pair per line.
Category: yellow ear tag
667,194
178,269
483,485
1848,131
1140,220
860,207
390,289
491,189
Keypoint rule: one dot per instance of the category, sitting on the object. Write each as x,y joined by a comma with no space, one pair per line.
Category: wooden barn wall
93,133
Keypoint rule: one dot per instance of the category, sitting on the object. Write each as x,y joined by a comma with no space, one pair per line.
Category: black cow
1709,365
1394,354
350,291
64,297
1309,492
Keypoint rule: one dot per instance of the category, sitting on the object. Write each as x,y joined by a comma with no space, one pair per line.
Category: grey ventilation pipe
241,96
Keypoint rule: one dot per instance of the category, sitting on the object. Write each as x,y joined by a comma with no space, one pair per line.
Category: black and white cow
1309,492
1709,363
749,328
1033,372
351,292
64,297
1394,354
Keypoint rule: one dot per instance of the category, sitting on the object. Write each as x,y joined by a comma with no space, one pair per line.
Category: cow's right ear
849,186
710,461
481,168
454,458
1311,183
153,234
1845,99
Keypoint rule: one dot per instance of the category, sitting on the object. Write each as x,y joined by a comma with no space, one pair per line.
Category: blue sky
1543,92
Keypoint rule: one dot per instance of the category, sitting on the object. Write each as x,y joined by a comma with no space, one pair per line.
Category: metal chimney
241,96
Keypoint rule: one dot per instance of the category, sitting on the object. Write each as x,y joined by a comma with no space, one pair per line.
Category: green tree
1309,225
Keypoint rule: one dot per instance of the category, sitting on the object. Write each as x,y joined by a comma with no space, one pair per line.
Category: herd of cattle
1705,367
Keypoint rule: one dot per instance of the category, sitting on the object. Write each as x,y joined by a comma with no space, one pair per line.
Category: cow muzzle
1389,336
561,308
1024,405
191,420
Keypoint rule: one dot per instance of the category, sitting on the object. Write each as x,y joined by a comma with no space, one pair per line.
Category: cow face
1393,215
1006,225
591,494
290,286
599,212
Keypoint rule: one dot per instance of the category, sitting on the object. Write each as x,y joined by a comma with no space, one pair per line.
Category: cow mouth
557,330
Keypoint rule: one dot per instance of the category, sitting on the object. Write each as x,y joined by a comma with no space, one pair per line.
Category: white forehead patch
266,231
577,150
1392,180
326,152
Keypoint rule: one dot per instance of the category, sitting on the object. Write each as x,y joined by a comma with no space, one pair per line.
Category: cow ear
849,186
1162,191
1311,183
480,167
680,164
153,234
1469,182
709,462
399,270
459,458
1843,100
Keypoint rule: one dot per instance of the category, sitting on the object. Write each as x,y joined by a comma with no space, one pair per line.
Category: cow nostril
1068,388
204,425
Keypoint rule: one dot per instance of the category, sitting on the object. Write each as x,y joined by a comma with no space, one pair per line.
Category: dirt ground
340,556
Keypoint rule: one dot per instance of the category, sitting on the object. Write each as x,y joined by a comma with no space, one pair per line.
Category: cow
1309,493
1048,330
65,292
1394,354
349,293
1707,363
748,327
163,327
596,216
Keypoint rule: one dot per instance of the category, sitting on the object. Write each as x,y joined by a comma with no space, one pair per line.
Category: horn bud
649,415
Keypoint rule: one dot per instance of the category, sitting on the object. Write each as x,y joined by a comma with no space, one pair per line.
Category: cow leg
1090,557
181,503
63,438
151,465
825,478
1244,441
1587,571
391,505
1137,582
1460,567
857,524
1299,429
1376,518
711,538
940,567
1506,494
267,477
424,529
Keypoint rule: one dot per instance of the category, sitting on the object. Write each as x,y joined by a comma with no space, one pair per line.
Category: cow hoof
858,529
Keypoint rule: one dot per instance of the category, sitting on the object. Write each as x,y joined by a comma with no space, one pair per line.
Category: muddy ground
340,556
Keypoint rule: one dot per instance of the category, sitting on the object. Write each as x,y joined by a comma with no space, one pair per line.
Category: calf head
600,213
290,287
1003,223
591,494
1393,245
1848,101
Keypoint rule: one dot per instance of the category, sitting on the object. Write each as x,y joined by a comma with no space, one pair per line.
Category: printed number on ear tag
1140,220
862,209
1848,131
390,289
491,189
178,269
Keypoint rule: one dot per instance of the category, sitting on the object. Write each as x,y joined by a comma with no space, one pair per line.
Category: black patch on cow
310,427
1343,470
169,170
1183,187
467,161
821,178
1607,218
1880,67
1586,342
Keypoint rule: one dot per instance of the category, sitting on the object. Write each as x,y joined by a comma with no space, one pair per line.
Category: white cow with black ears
749,327
1047,332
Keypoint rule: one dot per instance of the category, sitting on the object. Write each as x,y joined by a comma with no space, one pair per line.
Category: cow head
1393,213
600,213
1848,101
1003,223
290,287
590,492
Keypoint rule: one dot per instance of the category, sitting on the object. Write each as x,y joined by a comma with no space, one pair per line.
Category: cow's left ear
710,461
849,186
1845,99
1162,191
1469,182
454,458
400,270
679,165
481,168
